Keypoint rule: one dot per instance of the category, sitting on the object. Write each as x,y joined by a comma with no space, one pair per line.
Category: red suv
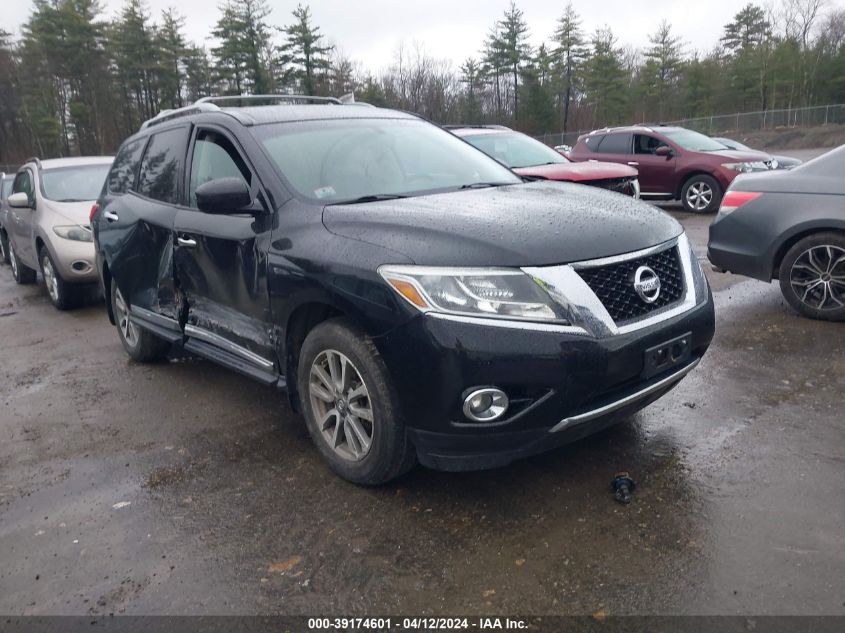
673,163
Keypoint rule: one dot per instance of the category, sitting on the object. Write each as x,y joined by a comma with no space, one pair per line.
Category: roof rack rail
33,159
294,98
166,115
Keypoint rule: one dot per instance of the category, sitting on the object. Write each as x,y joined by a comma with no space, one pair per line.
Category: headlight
496,293
745,168
74,232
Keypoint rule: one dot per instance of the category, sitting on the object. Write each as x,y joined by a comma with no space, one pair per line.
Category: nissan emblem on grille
647,284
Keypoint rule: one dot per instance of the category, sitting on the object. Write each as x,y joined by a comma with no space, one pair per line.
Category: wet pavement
183,488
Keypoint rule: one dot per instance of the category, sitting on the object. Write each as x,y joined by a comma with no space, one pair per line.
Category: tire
4,248
812,276
62,294
701,194
141,345
389,453
22,273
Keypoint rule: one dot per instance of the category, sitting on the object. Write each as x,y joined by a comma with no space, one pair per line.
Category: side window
162,165
125,168
23,183
215,157
645,144
615,144
6,188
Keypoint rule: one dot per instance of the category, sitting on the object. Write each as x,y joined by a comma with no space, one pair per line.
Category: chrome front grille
613,284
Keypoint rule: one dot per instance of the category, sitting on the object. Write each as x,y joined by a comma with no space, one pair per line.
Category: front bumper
75,260
562,385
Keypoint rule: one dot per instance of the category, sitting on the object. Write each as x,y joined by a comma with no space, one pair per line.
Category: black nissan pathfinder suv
416,299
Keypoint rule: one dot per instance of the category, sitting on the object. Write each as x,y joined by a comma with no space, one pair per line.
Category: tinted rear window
161,168
615,144
125,168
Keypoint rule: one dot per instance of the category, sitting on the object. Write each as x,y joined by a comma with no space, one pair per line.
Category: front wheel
4,248
62,294
350,406
140,344
701,194
812,276
22,273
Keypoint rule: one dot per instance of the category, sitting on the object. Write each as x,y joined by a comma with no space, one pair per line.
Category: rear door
221,263
135,227
616,147
657,173
19,221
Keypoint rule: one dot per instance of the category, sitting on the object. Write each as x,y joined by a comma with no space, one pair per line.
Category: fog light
485,405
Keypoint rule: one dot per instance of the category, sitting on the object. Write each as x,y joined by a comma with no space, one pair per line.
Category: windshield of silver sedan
365,160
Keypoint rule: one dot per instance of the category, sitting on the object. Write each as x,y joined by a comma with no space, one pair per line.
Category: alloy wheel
341,404
699,196
13,262
818,277
121,315
50,278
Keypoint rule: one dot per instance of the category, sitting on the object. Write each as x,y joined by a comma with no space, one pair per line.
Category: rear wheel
140,344
63,294
701,194
22,273
350,406
812,276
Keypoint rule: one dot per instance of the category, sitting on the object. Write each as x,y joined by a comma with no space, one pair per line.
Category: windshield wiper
373,197
484,185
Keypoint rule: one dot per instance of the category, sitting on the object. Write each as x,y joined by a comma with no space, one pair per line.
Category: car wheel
140,344
350,406
22,273
4,248
62,294
701,194
812,276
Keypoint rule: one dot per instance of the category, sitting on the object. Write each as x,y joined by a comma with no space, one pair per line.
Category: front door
221,261
19,222
657,173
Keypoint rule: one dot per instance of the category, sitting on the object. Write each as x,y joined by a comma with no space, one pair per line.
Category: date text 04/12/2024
416,624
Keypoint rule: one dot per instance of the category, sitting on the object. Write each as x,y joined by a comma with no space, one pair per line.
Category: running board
234,362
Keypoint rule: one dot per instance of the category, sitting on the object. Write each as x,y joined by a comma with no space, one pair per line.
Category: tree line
77,82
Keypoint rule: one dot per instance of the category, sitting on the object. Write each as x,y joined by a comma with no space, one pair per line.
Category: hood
534,224
73,212
578,172
743,155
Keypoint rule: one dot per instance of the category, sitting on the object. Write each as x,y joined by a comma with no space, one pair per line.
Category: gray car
5,190
780,161
788,225
48,225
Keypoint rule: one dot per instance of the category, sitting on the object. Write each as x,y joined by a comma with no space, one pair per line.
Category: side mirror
19,200
664,150
223,195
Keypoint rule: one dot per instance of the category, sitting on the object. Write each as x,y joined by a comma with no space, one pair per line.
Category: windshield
74,184
515,150
693,141
347,159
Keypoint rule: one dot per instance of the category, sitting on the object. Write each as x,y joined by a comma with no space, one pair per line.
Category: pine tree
570,52
512,33
605,79
662,66
303,55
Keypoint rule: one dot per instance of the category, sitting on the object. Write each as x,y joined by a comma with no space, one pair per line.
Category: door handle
186,241
111,216
633,163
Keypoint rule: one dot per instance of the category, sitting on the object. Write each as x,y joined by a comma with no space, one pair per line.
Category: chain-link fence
739,122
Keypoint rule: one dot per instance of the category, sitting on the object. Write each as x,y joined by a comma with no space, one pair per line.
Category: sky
369,31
